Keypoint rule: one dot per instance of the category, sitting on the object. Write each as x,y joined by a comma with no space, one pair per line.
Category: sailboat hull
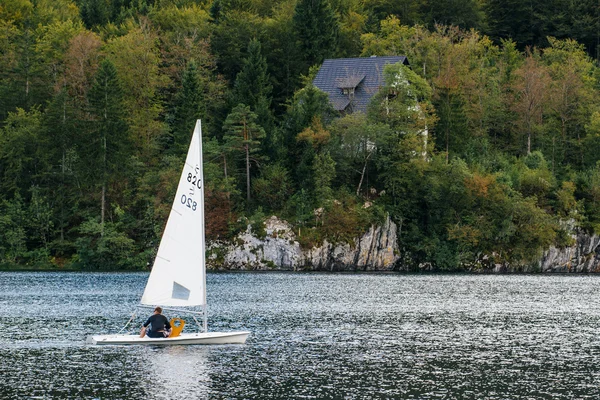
183,339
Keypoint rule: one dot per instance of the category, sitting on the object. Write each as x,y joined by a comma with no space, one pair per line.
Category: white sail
178,276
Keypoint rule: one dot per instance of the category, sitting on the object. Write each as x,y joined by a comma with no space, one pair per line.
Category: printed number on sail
189,202
194,180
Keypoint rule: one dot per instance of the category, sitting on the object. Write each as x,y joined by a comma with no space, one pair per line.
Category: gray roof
364,75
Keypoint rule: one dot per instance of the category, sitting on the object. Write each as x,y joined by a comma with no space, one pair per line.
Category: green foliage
136,58
344,219
257,222
108,126
13,235
454,216
19,162
404,102
243,138
589,191
310,107
273,188
231,37
317,28
464,13
252,87
105,247
187,110
95,12
324,172
483,150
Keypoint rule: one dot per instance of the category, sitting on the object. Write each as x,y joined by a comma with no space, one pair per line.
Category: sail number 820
189,202
194,180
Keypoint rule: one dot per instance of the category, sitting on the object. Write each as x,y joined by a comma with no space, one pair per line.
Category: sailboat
178,276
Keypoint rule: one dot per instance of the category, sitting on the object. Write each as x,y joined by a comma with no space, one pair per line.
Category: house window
348,91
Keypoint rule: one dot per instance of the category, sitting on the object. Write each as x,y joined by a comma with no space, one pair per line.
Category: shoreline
313,272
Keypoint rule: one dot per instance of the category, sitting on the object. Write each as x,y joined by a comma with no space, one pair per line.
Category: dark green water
314,336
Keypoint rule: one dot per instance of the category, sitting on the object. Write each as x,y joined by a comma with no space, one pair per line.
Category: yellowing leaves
464,234
315,134
479,185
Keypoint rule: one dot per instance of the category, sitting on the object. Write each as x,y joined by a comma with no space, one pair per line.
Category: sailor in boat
159,325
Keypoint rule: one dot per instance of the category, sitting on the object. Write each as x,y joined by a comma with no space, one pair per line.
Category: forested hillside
98,99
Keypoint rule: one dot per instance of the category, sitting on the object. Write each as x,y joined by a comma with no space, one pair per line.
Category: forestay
178,276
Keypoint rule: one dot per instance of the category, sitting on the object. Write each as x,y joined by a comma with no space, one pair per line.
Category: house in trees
351,82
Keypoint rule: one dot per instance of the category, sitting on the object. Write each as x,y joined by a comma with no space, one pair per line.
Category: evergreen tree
187,110
464,13
20,166
21,78
317,27
406,10
12,230
243,135
253,88
528,23
109,130
324,173
95,12
310,104
216,9
230,40
59,139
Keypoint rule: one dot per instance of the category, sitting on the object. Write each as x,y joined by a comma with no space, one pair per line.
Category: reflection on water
313,336
178,371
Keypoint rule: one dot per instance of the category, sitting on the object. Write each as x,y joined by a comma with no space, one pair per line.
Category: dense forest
487,148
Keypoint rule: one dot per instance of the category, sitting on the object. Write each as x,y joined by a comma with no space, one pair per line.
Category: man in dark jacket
159,325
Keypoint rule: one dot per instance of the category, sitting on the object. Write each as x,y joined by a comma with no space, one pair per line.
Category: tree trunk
62,203
63,172
103,199
103,207
247,172
225,173
104,174
362,175
447,148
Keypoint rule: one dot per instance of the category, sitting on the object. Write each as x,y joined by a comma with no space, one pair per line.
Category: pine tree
108,128
253,88
58,138
243,134
94,13
317,27
187,109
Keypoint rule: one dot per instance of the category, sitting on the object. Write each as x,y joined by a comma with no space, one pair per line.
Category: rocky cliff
583,256
376,250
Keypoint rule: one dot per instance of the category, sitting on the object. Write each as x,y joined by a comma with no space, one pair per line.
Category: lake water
314,336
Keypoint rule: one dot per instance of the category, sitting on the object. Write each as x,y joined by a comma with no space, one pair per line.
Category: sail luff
202,227
201,201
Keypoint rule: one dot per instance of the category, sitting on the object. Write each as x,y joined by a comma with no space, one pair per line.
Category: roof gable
351,82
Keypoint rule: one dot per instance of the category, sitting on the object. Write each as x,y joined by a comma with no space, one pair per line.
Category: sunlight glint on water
313,336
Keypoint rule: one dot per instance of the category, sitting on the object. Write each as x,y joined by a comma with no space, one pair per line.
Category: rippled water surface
315,336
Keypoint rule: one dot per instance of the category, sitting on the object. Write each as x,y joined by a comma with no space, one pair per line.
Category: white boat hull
183,339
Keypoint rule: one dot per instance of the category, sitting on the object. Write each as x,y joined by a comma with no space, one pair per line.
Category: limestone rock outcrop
583,256
376,250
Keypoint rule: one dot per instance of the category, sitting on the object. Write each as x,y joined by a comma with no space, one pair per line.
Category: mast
202,234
